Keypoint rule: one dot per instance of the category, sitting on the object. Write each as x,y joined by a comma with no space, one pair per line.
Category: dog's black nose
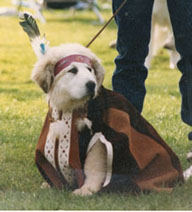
91,87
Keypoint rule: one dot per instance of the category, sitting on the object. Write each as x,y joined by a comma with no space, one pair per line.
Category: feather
30,26
40,44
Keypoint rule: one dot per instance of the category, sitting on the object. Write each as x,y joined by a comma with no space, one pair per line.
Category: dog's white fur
67,91
81,123
62,93
95,170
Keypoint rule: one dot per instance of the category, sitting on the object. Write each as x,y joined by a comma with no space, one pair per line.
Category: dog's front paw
83,191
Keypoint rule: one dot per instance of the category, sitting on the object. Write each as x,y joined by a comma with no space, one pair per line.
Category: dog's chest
58,144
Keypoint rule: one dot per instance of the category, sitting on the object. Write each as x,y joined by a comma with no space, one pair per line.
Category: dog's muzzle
90,86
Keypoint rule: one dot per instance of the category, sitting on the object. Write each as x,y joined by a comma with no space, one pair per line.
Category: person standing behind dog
134,27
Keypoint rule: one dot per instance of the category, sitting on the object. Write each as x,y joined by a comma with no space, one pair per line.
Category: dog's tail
40,44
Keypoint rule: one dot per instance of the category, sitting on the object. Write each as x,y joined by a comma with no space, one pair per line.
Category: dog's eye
89,69
73,70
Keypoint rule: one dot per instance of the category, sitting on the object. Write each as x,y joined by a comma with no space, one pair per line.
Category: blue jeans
134,26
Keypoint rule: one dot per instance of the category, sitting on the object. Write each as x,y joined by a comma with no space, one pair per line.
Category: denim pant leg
134,26
181,19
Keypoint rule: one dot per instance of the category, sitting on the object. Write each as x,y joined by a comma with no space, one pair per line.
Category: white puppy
70,89
79,105
71,75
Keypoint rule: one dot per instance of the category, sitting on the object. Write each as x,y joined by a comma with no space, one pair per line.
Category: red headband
66,61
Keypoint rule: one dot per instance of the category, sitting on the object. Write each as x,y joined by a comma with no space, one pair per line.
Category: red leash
108,22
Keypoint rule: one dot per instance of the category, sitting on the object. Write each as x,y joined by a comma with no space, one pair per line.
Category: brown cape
141,158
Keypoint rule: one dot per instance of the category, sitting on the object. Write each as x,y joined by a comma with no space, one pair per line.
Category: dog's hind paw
187,173
83,191
189,156
45,185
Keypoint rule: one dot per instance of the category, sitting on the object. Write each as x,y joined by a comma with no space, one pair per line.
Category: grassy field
23,108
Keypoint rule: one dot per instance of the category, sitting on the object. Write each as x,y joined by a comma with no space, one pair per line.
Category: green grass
23,108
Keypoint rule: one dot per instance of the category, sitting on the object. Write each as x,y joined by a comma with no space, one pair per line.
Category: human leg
181,19
134,24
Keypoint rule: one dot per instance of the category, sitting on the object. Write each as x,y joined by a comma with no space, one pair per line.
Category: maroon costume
141,160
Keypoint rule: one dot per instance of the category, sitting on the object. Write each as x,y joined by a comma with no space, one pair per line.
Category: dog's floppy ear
99,71
43,76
